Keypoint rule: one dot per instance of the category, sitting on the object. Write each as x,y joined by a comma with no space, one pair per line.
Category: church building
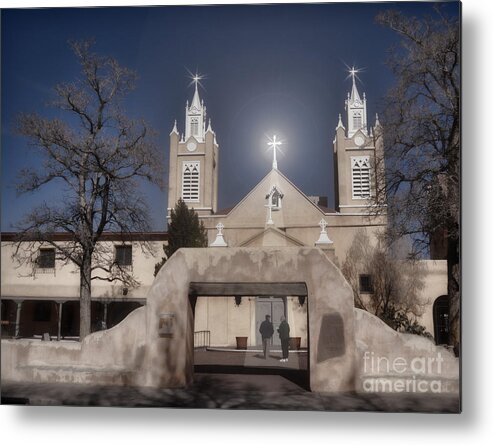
276,213
43,298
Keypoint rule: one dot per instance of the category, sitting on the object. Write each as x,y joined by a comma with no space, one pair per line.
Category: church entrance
223,312
275,307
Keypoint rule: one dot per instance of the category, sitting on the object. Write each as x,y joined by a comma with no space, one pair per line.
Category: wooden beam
248,289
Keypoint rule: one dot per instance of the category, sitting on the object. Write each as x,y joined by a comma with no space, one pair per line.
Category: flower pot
294,343
241,342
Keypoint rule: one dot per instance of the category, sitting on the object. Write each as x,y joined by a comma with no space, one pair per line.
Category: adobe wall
394,362
168,359
105,357
342,340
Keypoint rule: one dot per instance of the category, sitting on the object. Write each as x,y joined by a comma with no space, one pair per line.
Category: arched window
191,181
441,322
275,198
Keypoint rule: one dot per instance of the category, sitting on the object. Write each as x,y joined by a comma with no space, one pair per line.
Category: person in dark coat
266,330
283,331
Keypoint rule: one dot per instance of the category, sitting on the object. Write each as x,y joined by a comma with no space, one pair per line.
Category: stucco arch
168,359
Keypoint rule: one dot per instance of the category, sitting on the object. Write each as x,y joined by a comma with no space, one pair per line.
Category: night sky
269,69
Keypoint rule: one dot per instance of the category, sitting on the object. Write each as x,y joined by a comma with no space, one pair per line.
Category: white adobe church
275,213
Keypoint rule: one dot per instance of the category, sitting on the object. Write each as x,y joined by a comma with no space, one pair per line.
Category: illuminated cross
353,73
220,228
274,143
323,224
196,78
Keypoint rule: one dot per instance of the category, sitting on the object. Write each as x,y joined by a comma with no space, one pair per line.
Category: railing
201,339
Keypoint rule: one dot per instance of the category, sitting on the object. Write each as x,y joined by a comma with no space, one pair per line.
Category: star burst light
353,72
195,78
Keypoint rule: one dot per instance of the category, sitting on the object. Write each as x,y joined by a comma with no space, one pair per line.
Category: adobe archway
168,357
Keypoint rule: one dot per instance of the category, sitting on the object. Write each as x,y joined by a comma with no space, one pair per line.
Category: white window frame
194,125
187,194
357,117
361,181
275,190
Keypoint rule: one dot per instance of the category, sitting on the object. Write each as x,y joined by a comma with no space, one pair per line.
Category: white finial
377,122
219,241
339,124
323,238
273,143
209,127
175,129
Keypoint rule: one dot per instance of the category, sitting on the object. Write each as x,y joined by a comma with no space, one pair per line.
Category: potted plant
294,343
241,342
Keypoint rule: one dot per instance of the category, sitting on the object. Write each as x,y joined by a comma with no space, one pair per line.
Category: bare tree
99,157
422,139
393,286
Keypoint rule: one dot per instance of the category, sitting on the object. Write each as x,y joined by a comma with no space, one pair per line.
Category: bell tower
358,156
193,160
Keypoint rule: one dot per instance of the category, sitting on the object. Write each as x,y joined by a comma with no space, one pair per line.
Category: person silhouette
283,331
266,330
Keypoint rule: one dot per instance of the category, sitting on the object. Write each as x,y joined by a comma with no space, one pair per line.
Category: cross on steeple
273,143
352,72
323,224
196,78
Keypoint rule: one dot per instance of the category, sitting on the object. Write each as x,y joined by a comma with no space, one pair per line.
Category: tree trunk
85,296
453,274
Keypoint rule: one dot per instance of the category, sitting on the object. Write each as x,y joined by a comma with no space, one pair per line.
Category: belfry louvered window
195,126
357,121
360,176
191,181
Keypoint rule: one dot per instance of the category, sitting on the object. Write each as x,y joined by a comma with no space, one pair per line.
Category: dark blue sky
270,69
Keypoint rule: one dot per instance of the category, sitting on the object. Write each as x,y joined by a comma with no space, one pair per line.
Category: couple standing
267,330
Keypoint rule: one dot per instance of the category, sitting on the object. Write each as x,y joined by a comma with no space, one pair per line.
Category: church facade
276,213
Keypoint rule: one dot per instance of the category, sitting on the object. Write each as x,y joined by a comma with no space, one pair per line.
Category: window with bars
365,284
46,259
123,256
191,181
357,121
195,126
360,175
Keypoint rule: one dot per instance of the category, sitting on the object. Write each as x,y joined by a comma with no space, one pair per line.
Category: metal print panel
234,207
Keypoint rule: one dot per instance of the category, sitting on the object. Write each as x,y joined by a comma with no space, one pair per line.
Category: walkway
224,391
